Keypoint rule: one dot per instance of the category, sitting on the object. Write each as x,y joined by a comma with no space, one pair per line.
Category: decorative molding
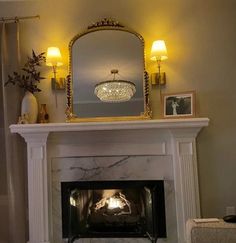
148,111
185,148
177,126
106,22
35,137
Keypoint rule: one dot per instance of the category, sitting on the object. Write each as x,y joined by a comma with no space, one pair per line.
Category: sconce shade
159,51
53,57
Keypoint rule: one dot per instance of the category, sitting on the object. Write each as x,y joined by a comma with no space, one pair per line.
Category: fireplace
170,149
114,209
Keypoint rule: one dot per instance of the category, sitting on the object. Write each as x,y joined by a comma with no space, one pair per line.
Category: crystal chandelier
115,91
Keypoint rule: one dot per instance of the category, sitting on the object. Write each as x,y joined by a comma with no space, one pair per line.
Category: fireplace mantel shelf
119,125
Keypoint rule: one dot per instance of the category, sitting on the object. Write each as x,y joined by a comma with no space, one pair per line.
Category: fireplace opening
117,209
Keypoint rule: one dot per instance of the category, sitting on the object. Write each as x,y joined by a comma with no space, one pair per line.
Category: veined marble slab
113,168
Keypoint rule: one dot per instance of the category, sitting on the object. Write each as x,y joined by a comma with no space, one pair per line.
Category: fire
72,202
117,201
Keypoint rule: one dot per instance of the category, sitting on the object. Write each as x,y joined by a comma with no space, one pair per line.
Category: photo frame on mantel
179,105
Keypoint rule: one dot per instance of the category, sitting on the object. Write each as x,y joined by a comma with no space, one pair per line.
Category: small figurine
23,119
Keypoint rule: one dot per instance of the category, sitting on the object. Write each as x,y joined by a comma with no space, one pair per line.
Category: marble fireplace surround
170,137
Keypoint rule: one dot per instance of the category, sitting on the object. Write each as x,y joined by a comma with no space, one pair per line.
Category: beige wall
201,39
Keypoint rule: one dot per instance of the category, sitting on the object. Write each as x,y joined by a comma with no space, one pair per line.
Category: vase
29,107
43,114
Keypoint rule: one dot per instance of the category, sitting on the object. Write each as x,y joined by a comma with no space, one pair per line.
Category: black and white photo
179,105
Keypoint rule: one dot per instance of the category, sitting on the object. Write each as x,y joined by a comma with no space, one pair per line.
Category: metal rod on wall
3,19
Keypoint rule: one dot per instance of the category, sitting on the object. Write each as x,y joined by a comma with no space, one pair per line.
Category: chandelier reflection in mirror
115,91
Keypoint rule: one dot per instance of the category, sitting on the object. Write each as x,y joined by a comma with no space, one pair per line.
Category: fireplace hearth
113,209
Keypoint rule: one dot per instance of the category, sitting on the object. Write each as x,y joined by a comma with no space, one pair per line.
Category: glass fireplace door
117,209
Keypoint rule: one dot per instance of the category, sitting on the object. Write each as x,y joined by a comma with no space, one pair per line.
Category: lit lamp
115,90
159,54
54,60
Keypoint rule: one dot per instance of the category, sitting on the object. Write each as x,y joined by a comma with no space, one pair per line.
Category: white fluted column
37,187
185,177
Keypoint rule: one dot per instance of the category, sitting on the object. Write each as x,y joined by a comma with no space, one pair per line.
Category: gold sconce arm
158,78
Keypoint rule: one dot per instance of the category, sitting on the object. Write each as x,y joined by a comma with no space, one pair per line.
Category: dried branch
31,79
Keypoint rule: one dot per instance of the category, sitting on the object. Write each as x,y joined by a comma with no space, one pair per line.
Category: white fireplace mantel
197,123
175,137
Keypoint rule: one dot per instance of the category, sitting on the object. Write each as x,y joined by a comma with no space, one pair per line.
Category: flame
72,202
115,203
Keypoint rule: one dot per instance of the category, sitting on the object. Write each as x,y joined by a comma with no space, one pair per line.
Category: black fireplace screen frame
155,226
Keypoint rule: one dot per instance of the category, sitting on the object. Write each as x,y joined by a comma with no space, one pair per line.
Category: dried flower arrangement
30,80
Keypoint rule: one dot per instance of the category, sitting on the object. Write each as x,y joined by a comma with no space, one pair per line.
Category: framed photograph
179,105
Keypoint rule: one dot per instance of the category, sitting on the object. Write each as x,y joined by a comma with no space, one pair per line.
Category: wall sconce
54,60
158,54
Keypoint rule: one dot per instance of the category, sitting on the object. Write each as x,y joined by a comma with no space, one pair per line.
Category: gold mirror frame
106,24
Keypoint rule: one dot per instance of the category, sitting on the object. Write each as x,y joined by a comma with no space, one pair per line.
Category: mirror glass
93,55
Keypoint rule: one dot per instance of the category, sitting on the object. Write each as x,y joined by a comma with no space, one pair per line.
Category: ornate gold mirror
107,78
